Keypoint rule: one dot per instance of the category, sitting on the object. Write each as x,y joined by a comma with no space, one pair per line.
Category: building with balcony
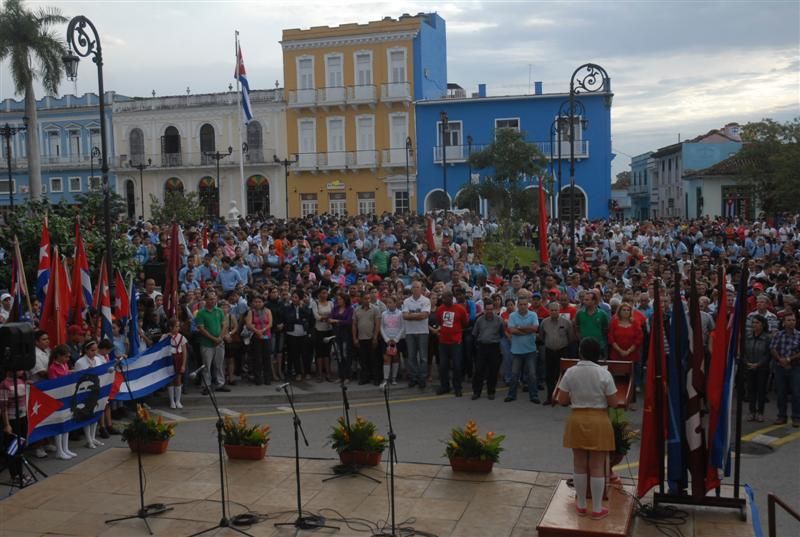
471,126
177,139
68,129
641,181
350,115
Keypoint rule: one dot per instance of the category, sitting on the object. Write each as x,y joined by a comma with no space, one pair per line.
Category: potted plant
245,441
147,434
624,437
468,452
357,444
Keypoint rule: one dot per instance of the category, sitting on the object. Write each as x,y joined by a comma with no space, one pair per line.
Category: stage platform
505,503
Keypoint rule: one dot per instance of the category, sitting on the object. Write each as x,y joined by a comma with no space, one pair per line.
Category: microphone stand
392,462
225,521
342,470
311,522
145,511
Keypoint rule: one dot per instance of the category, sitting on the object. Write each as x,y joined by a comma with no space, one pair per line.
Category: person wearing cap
5,307
762,309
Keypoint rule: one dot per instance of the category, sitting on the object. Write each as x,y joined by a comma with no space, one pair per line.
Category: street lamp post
217,156
84,41
93,154
141,166
445,131
469,170
286,163
555,130
409,152
7,132
588,78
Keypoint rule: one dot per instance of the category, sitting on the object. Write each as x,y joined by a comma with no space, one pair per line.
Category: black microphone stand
392,460
225,521
145,511
311,522
342,470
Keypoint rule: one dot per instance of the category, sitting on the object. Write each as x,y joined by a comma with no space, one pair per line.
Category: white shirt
417,305
588,385
42,362
84,362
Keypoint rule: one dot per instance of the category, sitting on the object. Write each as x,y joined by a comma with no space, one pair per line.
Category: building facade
639,189
68,129
178,139
715,191
351,119
472,123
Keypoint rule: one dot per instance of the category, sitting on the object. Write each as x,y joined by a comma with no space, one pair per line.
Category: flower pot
360,458
249,453
471,465
154,447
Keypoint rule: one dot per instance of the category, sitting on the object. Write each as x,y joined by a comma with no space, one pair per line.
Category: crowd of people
414,299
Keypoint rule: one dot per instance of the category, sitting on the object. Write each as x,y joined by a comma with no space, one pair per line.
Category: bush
144,428
360,436
239,433
468,444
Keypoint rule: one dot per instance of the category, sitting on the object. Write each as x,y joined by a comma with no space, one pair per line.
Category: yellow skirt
590,429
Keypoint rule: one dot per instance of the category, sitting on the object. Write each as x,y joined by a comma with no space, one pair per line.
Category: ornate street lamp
445,133
141,166
286,163
217,156
409,153
588,78
84,41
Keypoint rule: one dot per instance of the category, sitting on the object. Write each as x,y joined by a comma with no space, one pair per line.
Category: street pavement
422,422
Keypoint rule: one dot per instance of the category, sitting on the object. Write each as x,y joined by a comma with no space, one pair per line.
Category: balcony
307,161
184,160
363,158
357,95
396,92
454,153
638,190
395,158
333,160
581,149
333,96
303,98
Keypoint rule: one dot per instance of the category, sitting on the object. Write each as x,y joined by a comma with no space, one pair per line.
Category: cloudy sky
679,68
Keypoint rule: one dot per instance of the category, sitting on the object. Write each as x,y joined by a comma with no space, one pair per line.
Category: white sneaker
173,405
40,453
383,384
97,443
90,445
394,381
63,456
178,404
71,453
50,448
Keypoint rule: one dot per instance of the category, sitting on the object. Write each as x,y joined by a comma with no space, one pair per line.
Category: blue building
639,189
68,128
472,122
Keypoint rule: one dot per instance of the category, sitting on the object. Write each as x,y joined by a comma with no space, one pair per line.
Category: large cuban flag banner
70,402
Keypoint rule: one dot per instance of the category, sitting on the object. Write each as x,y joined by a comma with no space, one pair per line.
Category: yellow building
350,124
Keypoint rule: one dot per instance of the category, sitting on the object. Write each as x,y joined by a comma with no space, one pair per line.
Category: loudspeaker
17,350
157,271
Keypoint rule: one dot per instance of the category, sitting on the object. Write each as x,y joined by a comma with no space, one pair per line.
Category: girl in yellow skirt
589,389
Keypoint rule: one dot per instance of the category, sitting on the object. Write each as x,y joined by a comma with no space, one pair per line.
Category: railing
363,158
361,95
638,189
454,153
333,160
396,91
396,157
306,161
332,96
184,101
339,160
303,97
185,160
581,149
772,499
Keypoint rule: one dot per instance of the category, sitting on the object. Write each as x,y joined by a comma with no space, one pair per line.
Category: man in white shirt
416,310
42,342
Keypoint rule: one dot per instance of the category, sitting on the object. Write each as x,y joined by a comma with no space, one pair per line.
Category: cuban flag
241,76
43,272
122,307
103,304
81,280
147,372
64,404
133,324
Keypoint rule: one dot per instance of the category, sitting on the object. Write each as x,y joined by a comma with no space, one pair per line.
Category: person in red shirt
453,320
568,311
538,306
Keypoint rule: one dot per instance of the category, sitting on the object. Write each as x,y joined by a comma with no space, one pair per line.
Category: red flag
55,314
40,406
429,235
695,390
171,283
716,373
544,255
654,413
81,286
122,303
205,238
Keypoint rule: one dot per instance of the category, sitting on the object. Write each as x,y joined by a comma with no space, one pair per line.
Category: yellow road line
619,467
765,430
786,439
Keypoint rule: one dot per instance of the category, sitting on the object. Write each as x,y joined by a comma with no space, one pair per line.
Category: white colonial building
177,140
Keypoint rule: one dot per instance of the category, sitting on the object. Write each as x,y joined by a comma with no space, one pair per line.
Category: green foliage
624,436
360,436
468,443
240,433
769,164
182,207
145,428
27,226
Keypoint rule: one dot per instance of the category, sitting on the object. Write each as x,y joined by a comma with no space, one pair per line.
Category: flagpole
739,385
243,208
24,279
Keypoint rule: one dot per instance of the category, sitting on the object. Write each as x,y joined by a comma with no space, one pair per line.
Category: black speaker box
17,350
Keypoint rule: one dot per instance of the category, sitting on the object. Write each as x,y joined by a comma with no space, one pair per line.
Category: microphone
193,374
282,386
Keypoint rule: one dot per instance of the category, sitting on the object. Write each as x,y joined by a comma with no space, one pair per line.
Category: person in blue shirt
140,250
244,271
186,269
228,277
190,283
523,325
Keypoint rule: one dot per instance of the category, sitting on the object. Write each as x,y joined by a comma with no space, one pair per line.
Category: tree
183,207
768,164
33,51
623,181
513,159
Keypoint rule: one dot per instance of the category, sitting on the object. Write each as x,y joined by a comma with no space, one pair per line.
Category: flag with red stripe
716,375
695,390
81,280
55,314
43,272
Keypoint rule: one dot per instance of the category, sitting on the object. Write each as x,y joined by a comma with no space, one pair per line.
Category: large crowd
385,299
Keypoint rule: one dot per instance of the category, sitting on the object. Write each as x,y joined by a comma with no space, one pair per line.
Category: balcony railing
339,96
185,160
332,96
454,153
396,158
396,92
333,160
581,149
302,97
363,158
361,95
638,190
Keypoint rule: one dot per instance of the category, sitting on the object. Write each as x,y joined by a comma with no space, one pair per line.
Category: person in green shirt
209,321
592,322
380,258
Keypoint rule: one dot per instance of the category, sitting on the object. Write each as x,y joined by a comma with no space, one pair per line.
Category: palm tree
34,52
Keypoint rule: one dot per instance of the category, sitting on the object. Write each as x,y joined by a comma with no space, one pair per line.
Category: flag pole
659,386
738,379
24,278
243,208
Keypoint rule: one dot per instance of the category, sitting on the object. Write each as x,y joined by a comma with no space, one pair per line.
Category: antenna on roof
530,70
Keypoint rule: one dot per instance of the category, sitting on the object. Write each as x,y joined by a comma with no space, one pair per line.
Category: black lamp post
217,156
93,154
141,166
445,131
409,152
84,41
469,170
286,163
7,132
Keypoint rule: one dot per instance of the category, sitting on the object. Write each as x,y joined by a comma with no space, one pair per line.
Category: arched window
258,195
255,143
207,143
209,196
436,200
569,209
136,140
171,147
130,199
173,185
